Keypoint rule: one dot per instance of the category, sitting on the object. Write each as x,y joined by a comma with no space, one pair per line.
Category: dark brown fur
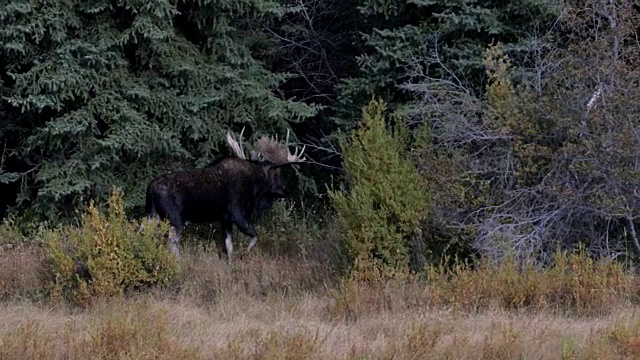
230,190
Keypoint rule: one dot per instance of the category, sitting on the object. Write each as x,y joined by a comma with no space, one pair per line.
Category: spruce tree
432,38
386,200
101,93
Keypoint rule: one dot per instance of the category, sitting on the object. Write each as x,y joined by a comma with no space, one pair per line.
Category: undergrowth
106,255
575,285
109,259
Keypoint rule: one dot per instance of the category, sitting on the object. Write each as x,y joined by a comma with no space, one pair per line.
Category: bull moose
230,190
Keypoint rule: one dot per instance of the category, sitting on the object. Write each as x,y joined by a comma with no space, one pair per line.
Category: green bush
386,199
107,255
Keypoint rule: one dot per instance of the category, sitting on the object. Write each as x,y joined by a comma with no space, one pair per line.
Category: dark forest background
521,119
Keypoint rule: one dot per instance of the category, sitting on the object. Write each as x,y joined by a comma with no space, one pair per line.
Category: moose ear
270,170
267,169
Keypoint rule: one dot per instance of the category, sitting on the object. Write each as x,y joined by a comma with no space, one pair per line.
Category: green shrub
386,200
107,255
302,232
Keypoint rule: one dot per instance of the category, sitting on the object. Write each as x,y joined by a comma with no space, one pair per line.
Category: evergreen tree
386,200
434,38
101,93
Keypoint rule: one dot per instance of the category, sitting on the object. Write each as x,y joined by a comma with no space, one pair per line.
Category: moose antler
235,145
269,149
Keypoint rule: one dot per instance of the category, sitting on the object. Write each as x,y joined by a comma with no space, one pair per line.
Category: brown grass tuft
207,278
21,271
117,331
575,285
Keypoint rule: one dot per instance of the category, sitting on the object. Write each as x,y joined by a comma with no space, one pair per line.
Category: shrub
386,200
574,284
21,267
125,331
106,255
302,232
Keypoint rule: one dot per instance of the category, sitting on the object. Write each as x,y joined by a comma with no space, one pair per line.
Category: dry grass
298,327
288,307
21,270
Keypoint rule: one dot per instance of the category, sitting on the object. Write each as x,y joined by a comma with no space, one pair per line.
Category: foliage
9,233
126,332
520,116
315,42
574,284
543,157
107,255
425,59
94,91
562,304
385,200
291,231
571,166
435,38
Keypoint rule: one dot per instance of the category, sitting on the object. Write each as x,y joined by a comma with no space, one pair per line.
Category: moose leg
174,241
175,230
227,229
245,227
153,217
252,243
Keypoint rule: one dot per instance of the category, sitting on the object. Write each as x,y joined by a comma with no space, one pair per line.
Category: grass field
295,307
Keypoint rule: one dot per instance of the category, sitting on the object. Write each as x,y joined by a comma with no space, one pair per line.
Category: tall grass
289,300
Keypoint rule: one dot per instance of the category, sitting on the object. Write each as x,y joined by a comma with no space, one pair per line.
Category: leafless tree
311,43
583,100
